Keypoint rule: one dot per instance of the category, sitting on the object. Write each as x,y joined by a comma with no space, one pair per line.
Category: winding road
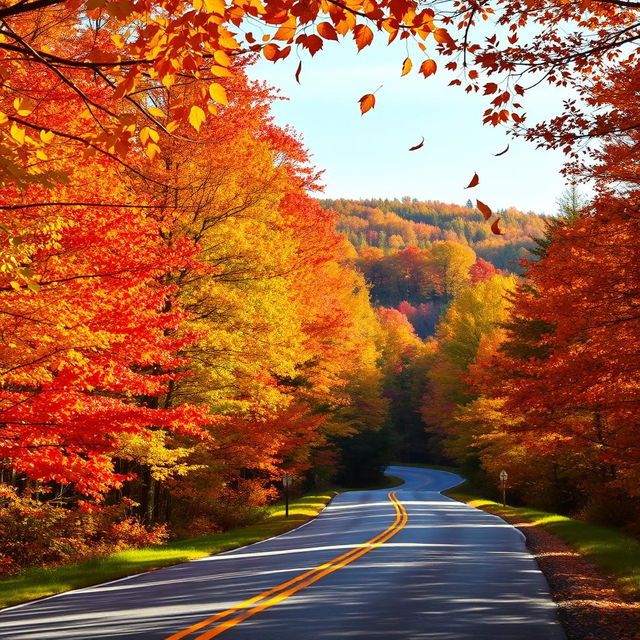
405,564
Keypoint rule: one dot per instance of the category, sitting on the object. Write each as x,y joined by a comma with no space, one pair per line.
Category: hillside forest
182,321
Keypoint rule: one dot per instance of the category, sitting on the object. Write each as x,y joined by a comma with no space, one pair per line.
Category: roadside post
503,483
287,480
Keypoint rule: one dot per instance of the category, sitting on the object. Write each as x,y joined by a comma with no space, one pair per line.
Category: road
431,568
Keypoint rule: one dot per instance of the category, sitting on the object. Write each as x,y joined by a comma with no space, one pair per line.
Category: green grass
40,582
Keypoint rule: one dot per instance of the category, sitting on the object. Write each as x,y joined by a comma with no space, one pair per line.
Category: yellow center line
294,585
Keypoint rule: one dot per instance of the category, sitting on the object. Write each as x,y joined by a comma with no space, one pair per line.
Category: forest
182,320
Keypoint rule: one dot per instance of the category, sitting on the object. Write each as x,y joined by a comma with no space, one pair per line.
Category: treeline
537,375
175,335
392,225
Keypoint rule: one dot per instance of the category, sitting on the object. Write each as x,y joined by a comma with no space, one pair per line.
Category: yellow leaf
41,155
3,117
23,106
156,113
146,133
172,126
196,117
15,285
406,66
46,136
17,133
218,93
212,109
118,40
222,58
219,71
152,150
214,6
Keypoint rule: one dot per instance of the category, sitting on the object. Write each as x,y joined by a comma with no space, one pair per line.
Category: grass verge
41,582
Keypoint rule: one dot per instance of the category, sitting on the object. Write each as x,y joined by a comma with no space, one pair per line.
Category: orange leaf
363,36
442,36
406,66
368,101
428,67
484,209
502,152
496,229
327,31
271,51
418,146
474,181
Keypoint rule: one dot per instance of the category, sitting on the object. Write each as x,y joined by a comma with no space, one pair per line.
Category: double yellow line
277,594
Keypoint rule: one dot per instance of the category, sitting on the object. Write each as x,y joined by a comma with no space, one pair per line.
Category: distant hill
397,224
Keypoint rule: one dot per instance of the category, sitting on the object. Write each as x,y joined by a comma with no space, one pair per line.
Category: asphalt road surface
402,564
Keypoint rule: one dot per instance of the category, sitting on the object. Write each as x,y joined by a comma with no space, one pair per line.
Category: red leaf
502,152
327,31
474,181
496,229
298,70
484,209
418,146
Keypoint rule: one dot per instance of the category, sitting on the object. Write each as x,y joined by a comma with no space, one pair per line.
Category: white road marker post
503,482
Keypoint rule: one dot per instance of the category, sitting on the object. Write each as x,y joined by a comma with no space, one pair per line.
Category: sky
367,156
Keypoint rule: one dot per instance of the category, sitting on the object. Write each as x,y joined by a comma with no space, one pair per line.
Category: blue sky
367,156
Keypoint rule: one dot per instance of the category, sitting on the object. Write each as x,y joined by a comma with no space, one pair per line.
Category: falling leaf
496,229
484,209
298,70
368,101
502,152
418,146
406,66
474,181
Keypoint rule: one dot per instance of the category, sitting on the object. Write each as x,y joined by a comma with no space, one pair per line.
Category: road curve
409,564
